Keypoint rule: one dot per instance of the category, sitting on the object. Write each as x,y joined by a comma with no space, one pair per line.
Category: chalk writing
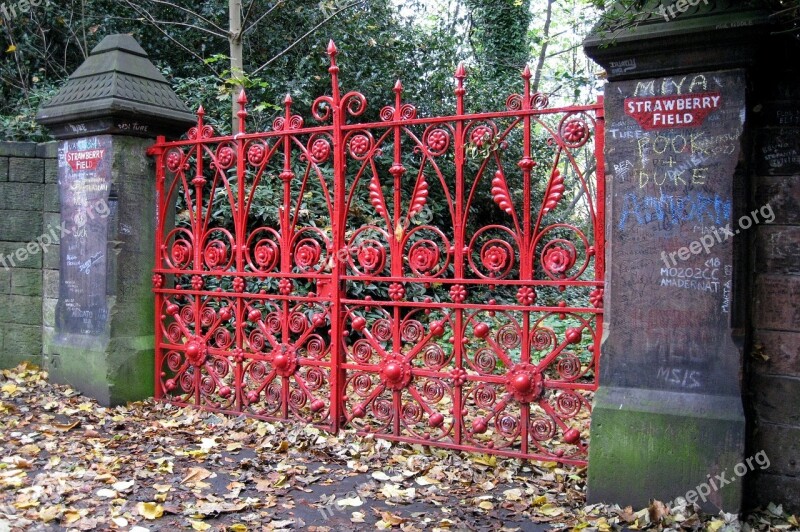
669,210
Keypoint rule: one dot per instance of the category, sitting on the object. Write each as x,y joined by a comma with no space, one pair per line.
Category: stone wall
29,210
774,365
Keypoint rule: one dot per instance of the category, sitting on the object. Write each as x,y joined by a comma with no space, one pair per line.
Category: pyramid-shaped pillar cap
117,90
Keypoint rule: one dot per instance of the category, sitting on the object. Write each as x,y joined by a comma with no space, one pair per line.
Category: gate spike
526,72
461,71
398,86
332,51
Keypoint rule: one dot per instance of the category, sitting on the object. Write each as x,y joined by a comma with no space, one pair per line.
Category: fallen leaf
150,510
196,474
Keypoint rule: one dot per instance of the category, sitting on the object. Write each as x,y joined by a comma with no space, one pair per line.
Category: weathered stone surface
47,150
776,398
782,194
5,281
51,201
778,151
778,302
20,225
26,282
21,196
17,149
652,444
50,283
49,312
51,170
52,259
21,343
26,170
25,310
3,169
782,445
766,488
9,258
778,249
782,350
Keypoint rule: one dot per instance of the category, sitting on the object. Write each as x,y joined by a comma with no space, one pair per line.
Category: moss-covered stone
648,444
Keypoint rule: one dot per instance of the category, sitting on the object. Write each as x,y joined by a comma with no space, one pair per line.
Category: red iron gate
431,280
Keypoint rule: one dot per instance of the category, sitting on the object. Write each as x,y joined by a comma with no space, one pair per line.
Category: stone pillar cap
657,39
117,90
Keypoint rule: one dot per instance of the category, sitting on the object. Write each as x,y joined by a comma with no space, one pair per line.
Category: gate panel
433,280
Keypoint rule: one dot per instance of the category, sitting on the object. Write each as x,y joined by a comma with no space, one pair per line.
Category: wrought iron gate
433,280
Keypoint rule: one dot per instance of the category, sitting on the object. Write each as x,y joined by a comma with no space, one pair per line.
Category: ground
66,462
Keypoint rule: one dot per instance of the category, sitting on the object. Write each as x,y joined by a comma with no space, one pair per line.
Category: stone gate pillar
668,420
105,117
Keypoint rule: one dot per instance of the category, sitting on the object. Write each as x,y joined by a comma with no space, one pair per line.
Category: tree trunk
543,52
237,62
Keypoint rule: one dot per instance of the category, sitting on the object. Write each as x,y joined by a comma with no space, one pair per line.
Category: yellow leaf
11,48
26,504
538,501
9,388
551,510
398,232
715,525
486,505
85,407
793,521
487,460
238,527
199,525
50,513
150,510
70,516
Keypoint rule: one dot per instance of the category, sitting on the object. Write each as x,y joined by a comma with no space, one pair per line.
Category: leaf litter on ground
66,461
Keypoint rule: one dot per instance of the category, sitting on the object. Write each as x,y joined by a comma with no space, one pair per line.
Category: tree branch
306,34
259,19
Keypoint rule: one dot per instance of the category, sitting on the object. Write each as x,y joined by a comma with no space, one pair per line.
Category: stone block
777,302
775,398
51,279
26,282
20,225
47,150
51,171
26,170
51,201
18,149
776,352
649,444
778,249
5,282
3,169
782,194
52,259
10,259
23,310
21,342
766,488
21,196
49,312
781,443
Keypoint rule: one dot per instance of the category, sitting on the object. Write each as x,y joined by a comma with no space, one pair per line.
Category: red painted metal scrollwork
431,280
